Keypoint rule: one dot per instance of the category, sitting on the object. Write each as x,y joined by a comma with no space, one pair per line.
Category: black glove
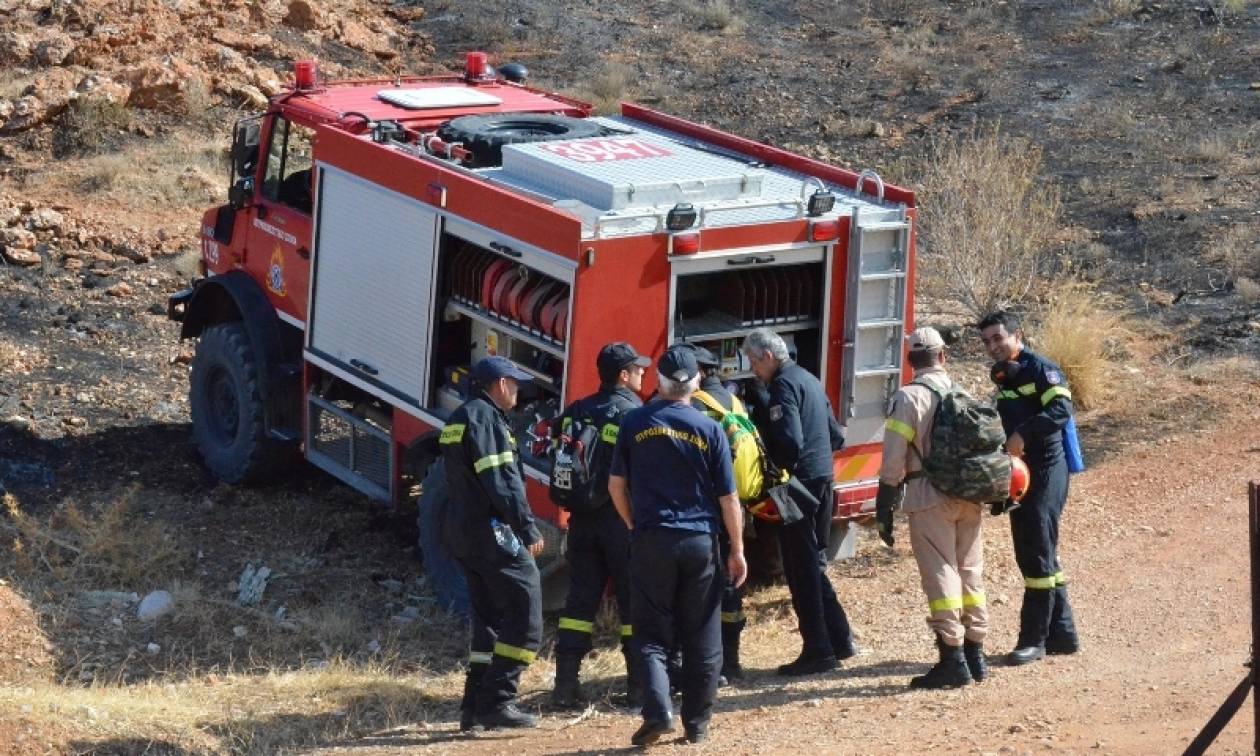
887,501
1002,507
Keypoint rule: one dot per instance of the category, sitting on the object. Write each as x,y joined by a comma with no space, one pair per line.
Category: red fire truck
383,235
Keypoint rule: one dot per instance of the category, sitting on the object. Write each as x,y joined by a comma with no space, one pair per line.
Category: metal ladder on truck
875,318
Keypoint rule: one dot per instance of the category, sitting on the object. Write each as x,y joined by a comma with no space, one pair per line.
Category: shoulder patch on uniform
776,412
1053,377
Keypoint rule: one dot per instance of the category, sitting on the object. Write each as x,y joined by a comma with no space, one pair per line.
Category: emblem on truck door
275,273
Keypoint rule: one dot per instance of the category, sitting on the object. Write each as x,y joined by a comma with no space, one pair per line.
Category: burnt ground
1146,114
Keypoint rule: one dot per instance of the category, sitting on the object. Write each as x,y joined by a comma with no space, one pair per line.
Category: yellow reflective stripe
973,599
627,631
581,626
729,617
1027,388
1059,579
1039,583
1054,391
900,428
515,652
452,434
479,657
492,460
609,433
1007,394
947,604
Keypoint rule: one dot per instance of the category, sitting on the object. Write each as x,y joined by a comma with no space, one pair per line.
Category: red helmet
1020,478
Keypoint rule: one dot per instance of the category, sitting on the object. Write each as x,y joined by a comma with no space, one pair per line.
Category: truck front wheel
227,409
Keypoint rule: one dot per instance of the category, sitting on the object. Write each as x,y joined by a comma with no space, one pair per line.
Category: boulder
304,15
356,35
54,50
160,86
15,48
155,605
239,41
46,219
16,238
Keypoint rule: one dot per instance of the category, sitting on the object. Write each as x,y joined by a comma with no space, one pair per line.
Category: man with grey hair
673,484
801,434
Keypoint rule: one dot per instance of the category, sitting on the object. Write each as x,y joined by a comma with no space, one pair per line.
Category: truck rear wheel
444,574
227,409
485,135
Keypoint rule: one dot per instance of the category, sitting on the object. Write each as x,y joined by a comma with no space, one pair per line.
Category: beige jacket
910,413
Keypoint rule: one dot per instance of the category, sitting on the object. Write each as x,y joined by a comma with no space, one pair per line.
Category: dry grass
606,89
19,359
1079,332
1237,251
163,176
1103,11
91,126
711,15
1248,290
1225,371
988,221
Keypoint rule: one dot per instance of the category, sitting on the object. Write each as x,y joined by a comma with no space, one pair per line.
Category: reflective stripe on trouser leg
506,593
932,537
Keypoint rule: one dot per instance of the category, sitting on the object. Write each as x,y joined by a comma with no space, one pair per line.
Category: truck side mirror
241,192
245,140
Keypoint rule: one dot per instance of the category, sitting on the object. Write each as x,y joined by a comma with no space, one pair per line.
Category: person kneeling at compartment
674,487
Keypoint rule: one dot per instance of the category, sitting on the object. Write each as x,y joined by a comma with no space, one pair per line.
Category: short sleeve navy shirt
677,463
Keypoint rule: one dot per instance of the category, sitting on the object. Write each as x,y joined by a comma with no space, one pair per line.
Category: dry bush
1102,11
106,545
988,218
1079,332
1248,289
606,89
1237,251
91,126
907,65
710,15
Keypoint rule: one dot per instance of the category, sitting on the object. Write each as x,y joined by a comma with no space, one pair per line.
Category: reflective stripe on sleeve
608,433
479,657
947,604
900,428
581,626
452,434
732,617
492,460
1054,391
523,655
1027,389
627,631
1059,579
1040,583
1007,394
973,599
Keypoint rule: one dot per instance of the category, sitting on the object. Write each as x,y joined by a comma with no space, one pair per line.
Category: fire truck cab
381,236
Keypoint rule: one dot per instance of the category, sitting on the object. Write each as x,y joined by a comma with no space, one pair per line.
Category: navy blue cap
679,363
618,356
493,368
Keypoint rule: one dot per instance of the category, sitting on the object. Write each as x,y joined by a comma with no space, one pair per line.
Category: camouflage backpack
967,460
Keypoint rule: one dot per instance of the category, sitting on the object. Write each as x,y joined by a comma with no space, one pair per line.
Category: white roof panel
436,97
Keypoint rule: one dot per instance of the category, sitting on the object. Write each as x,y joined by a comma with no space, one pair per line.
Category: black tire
228,416
443,572
485,135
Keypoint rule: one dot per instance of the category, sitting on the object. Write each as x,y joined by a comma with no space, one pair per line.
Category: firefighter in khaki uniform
944,532
490,531
1035,405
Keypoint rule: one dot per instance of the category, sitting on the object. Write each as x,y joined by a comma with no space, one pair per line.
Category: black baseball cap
493,368
679,363
705,358
618,356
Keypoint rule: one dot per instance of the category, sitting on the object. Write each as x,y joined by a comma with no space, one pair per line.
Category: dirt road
1155,546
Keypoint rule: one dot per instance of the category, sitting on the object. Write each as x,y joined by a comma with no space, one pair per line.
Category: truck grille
349,447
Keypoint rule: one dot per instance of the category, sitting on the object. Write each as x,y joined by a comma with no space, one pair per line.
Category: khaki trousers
949,551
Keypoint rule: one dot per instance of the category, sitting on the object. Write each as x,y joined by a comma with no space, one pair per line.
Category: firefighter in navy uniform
490,531
732,597
673,484
599,542
801,433
1035,405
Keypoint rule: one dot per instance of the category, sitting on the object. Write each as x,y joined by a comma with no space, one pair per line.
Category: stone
240,631
252,583
54,50
251,96
14,47
304,15
160,86
23,258
152,649
120,289
155,605
45,219
239,41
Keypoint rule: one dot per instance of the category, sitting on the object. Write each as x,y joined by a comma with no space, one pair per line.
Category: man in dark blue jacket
801,433
673,485
489,529
1035,404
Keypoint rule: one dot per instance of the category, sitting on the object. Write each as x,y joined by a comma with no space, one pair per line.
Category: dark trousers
676,589
732,604
1035,532
823,624
506,620
598,551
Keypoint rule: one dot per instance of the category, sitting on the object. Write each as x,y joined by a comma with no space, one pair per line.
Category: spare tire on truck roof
485,135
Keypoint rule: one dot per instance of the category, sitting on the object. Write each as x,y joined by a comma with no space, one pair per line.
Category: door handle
363,367
754,260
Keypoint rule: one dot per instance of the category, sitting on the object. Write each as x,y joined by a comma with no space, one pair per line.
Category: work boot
1034,625
731,669
1062,638
950,672
808,665
468,706
507,716
651,731
568,691
976,664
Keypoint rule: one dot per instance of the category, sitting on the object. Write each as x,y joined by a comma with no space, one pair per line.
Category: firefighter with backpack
599,542
943,455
